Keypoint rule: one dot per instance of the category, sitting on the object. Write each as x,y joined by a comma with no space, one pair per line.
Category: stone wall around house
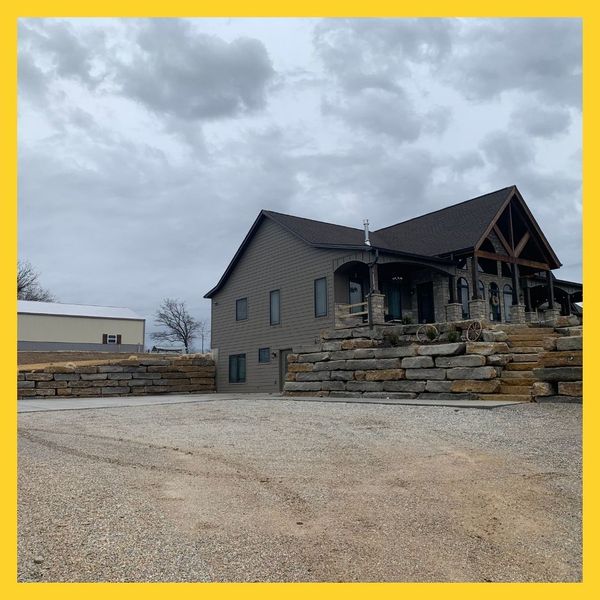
349,366
559,375
136,375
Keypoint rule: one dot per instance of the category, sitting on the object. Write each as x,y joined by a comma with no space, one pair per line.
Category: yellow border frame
11,11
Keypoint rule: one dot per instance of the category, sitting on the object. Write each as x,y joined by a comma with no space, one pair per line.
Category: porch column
551,314
550,288
374,272
453,308
527,298
516,288
452,288
474,274
477,306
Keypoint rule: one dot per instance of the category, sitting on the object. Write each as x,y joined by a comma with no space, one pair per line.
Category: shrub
407,320
431,334
453,336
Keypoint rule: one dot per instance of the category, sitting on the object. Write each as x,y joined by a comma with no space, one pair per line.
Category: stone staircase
525,344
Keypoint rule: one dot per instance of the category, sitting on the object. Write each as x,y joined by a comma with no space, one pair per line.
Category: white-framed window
111,338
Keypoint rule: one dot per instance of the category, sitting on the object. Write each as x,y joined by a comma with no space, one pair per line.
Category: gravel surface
273,490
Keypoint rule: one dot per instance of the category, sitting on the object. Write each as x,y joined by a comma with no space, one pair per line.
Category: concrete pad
407,402
27,405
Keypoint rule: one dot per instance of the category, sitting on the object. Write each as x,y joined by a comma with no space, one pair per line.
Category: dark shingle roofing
455,227
449,229
319,233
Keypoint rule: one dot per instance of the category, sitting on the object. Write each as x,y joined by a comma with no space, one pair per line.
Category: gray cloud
542,56
32,81
379,112
375,53
540,121
507,151
68,55
193,76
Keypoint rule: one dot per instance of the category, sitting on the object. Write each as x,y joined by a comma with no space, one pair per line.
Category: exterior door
283,356
425,302
355,294
393,296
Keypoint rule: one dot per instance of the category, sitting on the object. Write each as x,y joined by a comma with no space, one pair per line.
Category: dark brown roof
456,227
450,229
319,233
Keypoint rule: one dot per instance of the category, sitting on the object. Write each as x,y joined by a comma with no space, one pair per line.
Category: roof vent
366,224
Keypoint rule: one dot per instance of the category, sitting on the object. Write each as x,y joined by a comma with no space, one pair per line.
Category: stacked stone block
131,376
560,372
363,367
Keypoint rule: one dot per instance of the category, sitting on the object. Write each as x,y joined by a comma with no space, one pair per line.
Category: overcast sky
148,147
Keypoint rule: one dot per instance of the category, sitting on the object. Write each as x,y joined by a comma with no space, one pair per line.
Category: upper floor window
275,307
321,297
241,309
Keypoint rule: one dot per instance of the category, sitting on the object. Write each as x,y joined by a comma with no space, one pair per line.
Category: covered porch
376,287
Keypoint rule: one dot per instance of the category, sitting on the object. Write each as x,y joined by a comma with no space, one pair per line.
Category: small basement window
264,355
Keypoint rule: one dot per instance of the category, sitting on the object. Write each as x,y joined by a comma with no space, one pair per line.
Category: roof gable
447,230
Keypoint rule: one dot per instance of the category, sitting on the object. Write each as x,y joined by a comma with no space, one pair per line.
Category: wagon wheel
427,333
474,331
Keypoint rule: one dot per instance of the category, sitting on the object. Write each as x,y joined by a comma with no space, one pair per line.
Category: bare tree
28,284
179,325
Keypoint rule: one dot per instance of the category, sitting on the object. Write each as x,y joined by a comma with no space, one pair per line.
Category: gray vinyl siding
273,260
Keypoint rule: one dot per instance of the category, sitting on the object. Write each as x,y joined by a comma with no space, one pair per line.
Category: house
485,258
53,326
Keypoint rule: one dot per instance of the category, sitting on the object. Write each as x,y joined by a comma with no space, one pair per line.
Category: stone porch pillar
454,311
478,309
517,313
377,309
551,315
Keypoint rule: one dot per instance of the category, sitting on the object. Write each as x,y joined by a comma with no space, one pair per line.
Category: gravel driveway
274,490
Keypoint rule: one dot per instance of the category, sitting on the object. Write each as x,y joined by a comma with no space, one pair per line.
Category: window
241,309
463,296
264,355
111,338
274,307
508,298
321,297
237,368
481,290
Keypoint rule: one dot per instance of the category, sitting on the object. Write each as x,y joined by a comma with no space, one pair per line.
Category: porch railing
350,315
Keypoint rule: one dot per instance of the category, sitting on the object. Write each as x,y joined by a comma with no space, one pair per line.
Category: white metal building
53,326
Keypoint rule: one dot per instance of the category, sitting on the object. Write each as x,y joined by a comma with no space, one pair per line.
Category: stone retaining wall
365,367
131,376
560,372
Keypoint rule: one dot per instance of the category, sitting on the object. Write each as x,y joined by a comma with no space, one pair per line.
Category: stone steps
526,350
516,375
517,381
537,343
521,337
521,366
525,357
